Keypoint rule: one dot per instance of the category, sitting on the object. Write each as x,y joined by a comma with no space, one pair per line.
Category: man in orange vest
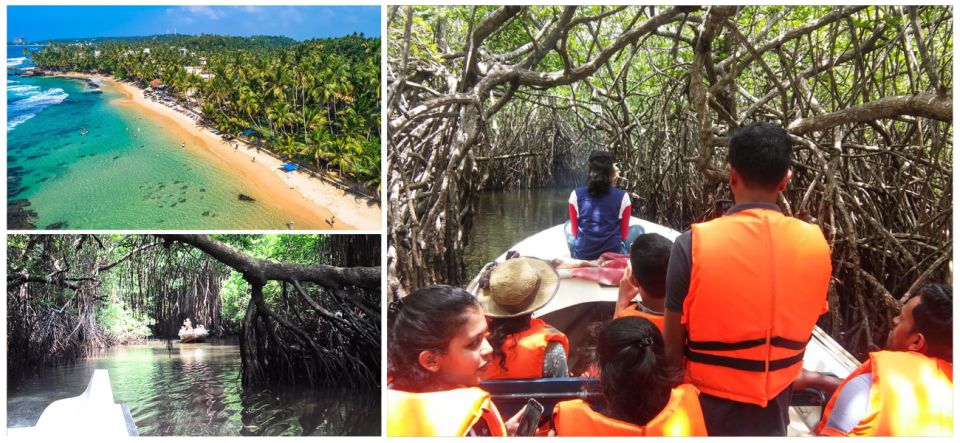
744,292
646,275
906,390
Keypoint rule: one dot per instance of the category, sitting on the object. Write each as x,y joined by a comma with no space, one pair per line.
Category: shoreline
314,199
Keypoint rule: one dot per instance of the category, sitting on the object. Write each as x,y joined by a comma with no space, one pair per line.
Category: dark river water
195,391
504,218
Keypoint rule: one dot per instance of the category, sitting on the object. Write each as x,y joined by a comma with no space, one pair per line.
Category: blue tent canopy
287,167
249,132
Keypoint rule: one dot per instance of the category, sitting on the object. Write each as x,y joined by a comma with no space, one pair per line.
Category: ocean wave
22,90
16,61
23,110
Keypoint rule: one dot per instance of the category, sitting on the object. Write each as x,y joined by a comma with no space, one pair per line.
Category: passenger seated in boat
907,389
646,275
599,212
523,347
640,390
187,324
437,356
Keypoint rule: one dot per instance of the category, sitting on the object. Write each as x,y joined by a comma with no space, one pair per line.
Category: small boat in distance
84,131
193,335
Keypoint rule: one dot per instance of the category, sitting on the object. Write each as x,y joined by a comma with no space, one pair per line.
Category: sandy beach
323,204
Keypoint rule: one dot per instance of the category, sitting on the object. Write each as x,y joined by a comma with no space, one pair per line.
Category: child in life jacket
523,347
438,353
646,277
640,391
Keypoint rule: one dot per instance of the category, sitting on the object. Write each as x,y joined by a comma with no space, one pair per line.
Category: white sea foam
23,110
16,61
22,90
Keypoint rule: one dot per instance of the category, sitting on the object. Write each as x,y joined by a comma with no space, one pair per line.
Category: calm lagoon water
194,390
504,218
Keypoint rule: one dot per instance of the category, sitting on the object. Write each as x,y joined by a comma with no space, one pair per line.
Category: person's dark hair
761,153
500,329
426,321
635,378
649,256
599,172
933,317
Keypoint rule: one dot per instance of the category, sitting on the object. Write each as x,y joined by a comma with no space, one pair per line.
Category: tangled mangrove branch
343,336
300,321
865,91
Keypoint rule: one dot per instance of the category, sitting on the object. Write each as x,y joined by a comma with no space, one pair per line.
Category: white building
198,71
146,51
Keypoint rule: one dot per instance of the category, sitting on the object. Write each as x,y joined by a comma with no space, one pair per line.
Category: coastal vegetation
502,97
307,312
315,102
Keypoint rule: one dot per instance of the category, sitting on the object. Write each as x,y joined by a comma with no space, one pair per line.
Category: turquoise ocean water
114,177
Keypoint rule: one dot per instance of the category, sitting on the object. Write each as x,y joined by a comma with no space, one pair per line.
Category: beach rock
245,197
18,216
16,190
206,213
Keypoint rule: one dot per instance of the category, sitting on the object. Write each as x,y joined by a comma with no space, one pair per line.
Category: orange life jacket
911,395
524,351
681,417
758,282
440,414
632,311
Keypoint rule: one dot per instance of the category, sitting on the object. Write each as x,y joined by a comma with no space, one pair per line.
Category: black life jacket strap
777,341
743,364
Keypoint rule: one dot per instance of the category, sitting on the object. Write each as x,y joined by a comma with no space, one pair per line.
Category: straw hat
518,286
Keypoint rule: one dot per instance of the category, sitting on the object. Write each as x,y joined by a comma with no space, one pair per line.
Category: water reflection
194,390
504,218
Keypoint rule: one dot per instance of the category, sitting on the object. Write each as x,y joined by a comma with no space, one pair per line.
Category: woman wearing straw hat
523,347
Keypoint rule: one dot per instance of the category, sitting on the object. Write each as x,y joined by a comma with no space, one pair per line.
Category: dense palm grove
316,102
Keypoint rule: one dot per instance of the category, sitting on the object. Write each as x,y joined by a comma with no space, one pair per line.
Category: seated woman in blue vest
599,212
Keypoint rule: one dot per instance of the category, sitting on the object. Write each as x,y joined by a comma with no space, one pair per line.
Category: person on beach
646,276
599,212
640,392
523,347
906,389
437,356
744,292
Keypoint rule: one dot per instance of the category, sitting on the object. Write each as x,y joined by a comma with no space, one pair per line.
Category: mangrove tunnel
291,313
485,98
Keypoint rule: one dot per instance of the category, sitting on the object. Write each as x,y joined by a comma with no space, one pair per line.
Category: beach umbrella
287,167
